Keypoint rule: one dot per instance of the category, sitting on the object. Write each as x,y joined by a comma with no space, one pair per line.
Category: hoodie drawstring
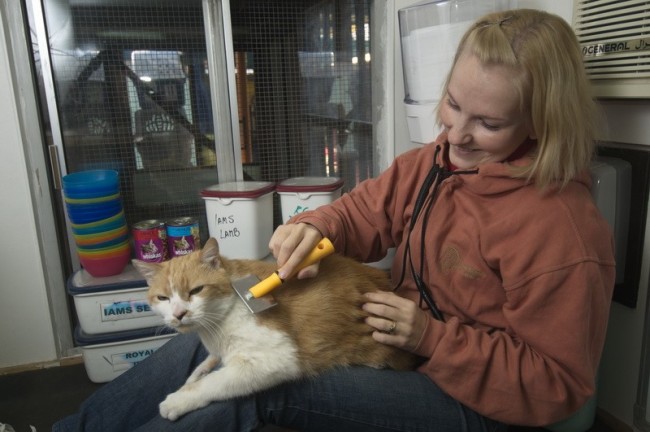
435,177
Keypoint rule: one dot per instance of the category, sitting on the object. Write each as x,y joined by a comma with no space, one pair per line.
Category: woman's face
481,114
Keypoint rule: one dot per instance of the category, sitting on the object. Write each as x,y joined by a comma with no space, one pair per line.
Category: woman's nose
458,133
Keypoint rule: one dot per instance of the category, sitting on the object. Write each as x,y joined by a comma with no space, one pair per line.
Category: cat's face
190,292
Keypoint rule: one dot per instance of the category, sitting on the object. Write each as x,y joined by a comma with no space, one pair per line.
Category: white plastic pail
299,194
240,217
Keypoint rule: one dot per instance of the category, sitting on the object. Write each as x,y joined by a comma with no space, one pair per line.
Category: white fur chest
241,337
253,358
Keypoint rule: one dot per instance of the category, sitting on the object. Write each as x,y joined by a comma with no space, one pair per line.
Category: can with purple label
150,240
182,236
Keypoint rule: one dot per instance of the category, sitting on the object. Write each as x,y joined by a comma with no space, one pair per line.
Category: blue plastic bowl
88,217
98,193
93,181
118,217
96,207
113,223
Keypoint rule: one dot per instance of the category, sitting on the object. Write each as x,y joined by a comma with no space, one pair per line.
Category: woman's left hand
398,321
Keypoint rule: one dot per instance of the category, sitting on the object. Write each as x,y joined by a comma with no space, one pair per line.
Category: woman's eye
490,127
452,104
196,291
162,298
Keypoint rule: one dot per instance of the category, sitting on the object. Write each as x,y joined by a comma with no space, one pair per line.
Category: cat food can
150,240
182,236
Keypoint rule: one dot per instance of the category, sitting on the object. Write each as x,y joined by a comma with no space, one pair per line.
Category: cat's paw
178,404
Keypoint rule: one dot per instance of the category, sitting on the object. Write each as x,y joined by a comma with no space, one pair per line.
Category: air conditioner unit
615,40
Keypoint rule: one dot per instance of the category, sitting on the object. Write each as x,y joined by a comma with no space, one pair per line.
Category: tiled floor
39,398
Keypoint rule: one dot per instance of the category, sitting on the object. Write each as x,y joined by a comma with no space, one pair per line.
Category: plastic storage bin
113,303
298,194
107,356
240,217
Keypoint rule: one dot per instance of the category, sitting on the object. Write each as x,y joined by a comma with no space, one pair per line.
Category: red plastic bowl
103,267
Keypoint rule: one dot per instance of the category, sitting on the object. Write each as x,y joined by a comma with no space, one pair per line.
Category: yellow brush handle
322,249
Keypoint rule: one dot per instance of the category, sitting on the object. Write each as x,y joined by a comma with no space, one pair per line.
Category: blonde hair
553,87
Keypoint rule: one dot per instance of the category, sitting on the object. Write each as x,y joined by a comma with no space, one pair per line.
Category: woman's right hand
290,244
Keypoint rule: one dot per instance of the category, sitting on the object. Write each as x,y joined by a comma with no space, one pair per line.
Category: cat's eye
162,298
196,290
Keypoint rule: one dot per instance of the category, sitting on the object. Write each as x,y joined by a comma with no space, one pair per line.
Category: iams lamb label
150,240
126,310
182,236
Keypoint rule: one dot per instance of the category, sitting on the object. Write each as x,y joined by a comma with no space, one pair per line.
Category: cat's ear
210,253
147,269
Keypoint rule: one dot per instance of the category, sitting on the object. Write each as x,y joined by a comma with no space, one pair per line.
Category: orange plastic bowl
102,245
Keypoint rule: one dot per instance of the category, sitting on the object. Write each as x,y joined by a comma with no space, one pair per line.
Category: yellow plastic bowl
87,239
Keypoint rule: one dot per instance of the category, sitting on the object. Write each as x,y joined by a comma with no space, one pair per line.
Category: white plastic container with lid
113,303
107,356
299,194
240,217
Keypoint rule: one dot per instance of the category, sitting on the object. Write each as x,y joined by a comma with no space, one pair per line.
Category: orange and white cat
317,324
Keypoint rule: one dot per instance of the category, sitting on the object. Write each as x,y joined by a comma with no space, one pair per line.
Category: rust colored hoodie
523,279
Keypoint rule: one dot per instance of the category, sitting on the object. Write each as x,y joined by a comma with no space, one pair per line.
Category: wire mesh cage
132,86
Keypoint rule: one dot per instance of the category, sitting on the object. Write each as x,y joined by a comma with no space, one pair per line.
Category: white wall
26,334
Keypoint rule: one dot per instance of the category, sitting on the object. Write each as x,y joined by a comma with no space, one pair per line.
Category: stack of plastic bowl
94,207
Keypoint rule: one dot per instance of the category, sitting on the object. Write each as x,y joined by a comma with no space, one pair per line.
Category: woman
503,272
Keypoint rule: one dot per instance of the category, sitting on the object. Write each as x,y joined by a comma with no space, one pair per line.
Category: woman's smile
463,149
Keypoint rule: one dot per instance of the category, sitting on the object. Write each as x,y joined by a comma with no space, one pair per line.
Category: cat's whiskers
212,327
217,316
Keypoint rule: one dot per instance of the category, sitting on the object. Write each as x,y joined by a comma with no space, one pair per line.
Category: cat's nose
179,315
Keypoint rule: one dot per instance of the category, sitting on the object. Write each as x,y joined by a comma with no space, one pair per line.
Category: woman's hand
398,321
290,244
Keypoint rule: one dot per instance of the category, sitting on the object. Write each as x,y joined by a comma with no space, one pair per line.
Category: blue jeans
343,399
